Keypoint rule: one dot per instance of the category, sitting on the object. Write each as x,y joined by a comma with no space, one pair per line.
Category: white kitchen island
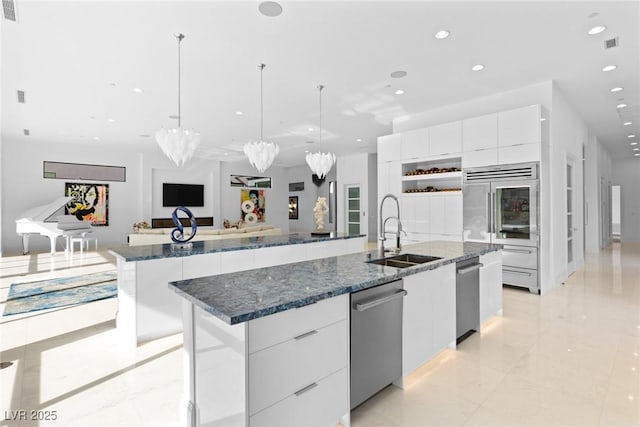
148,309
270,347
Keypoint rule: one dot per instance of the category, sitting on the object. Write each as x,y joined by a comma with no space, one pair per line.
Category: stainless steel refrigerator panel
520,256
476,221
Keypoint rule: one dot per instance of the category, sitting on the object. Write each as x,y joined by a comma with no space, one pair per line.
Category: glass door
515,208
571,228
353,209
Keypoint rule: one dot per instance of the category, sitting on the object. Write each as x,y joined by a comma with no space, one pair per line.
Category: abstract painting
252,206
89,202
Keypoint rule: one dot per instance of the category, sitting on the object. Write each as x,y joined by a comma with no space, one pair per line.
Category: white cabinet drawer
281,370
480,133
520,256
321,404
519,153
269,330
488,157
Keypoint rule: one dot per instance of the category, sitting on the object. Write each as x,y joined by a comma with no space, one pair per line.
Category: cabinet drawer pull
516,272
306,334
469,268
306,389
518,251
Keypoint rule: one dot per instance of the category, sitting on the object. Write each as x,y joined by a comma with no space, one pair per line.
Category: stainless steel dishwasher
467,298
376,339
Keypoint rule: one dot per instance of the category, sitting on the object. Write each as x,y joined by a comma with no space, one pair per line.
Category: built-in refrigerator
500,205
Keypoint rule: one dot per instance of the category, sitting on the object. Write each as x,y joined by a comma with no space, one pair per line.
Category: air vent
21,98
26,132
614,42
9,10
506,172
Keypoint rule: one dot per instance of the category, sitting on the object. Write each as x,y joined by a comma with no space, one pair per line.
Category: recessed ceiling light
96,138
596,30
239,113
442,34
398,74
26,132
306,151
137,90
627,123
399,92
359,140
609,68
616,89
623,105
631,135
477,67
637,154
542,119
226,154
310,129
111,120
633,143
636,149
270,8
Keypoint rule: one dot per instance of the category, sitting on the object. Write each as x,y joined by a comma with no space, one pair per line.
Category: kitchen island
147,309
271,346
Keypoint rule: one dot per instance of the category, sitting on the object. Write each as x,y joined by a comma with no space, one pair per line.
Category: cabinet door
417,335
389,178
442,307
436,213
490,285
389,147
480,132
422,214
519,153
519,126
408,212
445,139
487,157
415,144
453,214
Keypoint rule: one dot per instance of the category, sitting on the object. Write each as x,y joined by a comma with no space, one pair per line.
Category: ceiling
79,61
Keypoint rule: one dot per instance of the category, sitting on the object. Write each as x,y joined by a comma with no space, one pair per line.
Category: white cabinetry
390,148
445,139
490,285
479,133
415,144
512,136
428,316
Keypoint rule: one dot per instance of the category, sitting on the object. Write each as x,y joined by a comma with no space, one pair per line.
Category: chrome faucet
383,224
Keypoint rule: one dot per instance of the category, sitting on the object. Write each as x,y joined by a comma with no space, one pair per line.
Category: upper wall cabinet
519,126
479,133
445,139
389,148
415,144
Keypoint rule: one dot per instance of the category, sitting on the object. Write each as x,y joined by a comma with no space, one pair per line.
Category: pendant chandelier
178,144
321,163
261,153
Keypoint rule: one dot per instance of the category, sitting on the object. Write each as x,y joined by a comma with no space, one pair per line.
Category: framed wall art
293,207
252,206
89,202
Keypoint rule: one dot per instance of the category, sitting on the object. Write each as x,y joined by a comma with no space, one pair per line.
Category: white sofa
154,236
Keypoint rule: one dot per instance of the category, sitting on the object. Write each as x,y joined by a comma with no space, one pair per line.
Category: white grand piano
41,220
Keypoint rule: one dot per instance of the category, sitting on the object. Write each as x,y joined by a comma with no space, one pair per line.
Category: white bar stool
83,241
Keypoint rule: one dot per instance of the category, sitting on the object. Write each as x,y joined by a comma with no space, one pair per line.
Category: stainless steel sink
404,260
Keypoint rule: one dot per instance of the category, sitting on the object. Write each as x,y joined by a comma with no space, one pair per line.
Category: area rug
52,293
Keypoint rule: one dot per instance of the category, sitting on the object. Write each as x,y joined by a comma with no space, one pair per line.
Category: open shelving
432,181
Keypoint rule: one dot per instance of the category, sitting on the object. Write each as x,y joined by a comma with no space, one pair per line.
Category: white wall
356,170
276,197
539,93
626,174
307,198
24,187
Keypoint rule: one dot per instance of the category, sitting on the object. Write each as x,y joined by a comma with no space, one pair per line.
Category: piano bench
83,241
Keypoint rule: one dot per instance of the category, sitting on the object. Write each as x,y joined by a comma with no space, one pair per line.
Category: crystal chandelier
321,163
261,153
178,144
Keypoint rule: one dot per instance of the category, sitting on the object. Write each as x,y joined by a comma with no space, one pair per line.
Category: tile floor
567,358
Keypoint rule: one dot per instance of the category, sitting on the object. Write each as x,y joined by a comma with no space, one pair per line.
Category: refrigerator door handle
489,228
494,213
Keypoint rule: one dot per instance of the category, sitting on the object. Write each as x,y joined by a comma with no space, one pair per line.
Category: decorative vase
319,211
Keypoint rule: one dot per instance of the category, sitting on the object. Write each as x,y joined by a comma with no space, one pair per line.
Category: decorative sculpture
177,234
319,211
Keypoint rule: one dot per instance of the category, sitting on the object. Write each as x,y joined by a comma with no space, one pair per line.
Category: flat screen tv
182,195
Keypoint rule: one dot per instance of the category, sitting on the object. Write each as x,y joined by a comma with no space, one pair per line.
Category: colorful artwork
90,202
252,206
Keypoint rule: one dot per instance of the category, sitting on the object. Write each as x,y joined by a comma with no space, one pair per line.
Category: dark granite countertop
239,297
147,252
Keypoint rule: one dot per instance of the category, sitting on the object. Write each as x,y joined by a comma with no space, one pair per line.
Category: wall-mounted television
182,195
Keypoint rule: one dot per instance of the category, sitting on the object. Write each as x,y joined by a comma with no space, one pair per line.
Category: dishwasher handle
469,269
370,304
